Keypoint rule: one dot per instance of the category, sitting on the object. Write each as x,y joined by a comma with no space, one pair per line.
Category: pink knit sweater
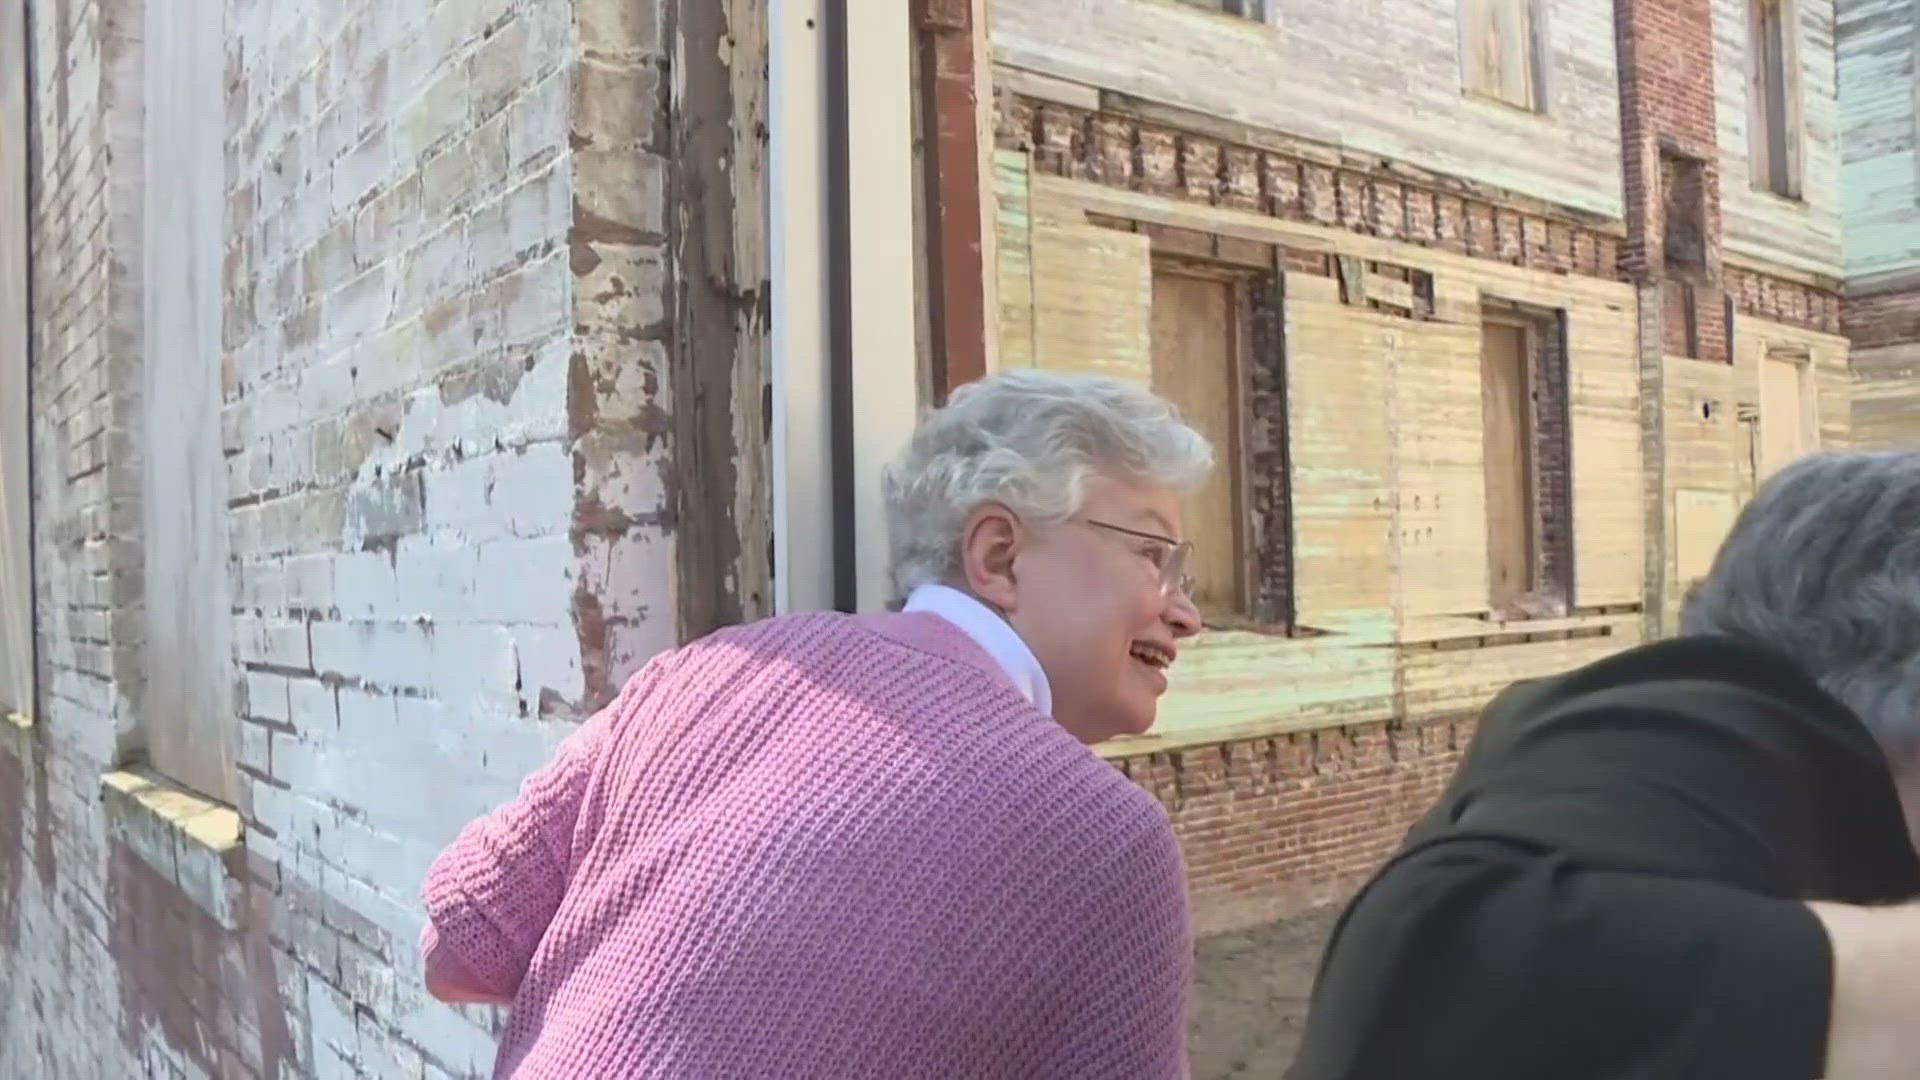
822,846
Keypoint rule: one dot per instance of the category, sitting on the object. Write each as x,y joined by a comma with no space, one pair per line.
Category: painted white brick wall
399,360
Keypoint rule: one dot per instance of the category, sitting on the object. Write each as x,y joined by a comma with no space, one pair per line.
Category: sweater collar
993,634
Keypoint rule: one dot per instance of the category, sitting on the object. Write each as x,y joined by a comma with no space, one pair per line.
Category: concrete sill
187,839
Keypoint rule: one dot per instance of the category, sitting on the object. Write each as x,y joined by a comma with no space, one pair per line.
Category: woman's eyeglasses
1169,556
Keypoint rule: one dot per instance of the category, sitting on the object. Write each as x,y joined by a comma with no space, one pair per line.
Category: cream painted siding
1757,227
1880,157
1352,75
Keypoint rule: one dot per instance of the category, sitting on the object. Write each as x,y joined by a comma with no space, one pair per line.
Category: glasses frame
1173,572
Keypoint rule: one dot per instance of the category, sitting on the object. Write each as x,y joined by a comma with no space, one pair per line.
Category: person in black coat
1691,859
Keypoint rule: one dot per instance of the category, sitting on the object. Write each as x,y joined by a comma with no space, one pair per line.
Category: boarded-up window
16,584
1198,335
1683,242
1500,51
187,711
1246,9
1528,462
1773,98
1788,418
1217,355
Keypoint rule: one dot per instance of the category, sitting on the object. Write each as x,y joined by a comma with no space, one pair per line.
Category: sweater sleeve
1472,957
491,893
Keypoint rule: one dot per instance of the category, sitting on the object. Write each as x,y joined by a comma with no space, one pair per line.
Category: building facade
381,383
1500,309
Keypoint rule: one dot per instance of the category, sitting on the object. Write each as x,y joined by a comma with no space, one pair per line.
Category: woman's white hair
1028,440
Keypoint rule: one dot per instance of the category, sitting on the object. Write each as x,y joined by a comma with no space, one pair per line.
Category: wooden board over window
1199,331
1092,290
1509,462
1788,425
1773,97
1701,521
1500,51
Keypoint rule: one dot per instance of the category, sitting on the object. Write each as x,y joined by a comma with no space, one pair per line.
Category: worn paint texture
1345,75
1879,75
1878,55
1800,235
442,488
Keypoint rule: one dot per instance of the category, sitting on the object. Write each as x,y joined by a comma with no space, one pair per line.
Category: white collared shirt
992,633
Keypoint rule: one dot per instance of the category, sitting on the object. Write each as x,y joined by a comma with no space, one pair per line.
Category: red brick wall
1667,104
1888,318
1271,826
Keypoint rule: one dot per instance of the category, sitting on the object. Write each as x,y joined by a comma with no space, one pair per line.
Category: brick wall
1276,825
56,980
448,308
1884,329
1671,164
1552,461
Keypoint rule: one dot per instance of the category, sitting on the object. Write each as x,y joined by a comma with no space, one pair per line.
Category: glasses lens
1174,574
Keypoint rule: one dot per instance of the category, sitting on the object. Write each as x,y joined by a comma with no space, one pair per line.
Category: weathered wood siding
1757,226
1382,80
1880,157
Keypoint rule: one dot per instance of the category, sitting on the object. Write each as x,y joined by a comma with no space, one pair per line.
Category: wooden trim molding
955,263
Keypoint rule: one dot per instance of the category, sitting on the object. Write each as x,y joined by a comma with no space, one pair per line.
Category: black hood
1700,757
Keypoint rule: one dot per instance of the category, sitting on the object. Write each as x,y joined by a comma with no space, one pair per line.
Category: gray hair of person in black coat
1824,566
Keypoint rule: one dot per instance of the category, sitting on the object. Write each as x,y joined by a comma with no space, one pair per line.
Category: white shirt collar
992,633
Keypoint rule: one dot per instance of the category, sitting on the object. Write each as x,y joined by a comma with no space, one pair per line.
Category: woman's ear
988,545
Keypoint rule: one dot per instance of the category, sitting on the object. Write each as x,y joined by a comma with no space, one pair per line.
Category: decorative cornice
1764,296
1121,151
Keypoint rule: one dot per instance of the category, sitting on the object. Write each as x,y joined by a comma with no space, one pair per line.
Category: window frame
1251,10
1551,593
1534,43
1240,281
1264,536
1784,178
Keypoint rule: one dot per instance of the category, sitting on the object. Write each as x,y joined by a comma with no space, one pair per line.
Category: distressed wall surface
1349,76
1879,65
1878,48
1764,229
447,267
1884,327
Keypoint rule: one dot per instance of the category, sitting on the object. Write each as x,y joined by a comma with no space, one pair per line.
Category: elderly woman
827,845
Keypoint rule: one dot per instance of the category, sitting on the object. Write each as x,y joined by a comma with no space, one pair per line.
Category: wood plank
1701,521
1197,340
1508,463
1440,515
1429,629
1339,371
1785,413
1013,226
1092,299
1438,681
